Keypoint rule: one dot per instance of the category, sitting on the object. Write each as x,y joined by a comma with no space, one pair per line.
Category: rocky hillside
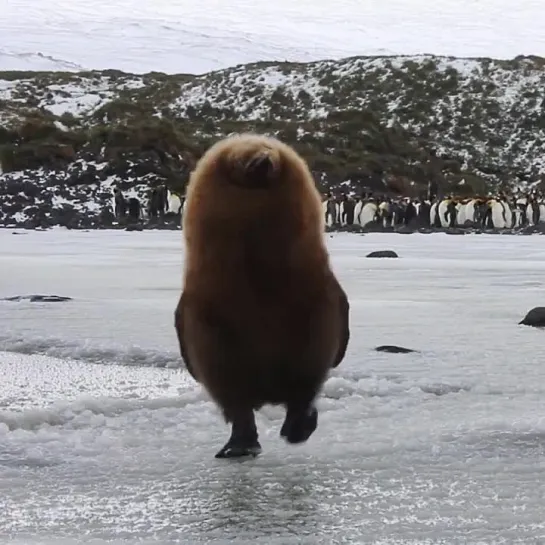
366,122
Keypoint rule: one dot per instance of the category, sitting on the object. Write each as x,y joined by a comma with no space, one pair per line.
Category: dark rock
374,227
392,349
163,227
404,230
534,318
39,298
529,230
382,253
106,217
134,227
354,228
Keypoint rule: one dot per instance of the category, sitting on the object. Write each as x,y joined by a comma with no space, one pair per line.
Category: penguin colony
500,212
374,212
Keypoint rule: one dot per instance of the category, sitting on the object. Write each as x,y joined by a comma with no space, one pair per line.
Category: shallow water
104,439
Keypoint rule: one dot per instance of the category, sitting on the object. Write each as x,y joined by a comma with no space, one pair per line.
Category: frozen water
195,37
103,439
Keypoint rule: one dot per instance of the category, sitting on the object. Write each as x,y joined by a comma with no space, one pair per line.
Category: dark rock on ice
404,230
534,318
39,298
382,253
455,231
134,227
392,349
354,228
529,230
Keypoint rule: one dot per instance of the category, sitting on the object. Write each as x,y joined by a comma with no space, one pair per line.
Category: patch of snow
20,217
76,99
61,126
6,89
58,201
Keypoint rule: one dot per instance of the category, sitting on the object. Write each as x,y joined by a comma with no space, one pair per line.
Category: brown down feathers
262,318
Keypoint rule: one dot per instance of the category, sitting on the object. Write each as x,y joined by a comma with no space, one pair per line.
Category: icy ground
195,37
103,440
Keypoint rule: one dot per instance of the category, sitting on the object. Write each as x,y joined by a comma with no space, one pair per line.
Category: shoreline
355,230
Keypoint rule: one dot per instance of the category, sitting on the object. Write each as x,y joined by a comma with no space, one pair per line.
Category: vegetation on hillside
360,120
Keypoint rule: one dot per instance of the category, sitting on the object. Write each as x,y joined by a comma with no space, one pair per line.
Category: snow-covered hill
363,123
184,36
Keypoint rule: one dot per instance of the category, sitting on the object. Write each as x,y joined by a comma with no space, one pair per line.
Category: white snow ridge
195,37
102,435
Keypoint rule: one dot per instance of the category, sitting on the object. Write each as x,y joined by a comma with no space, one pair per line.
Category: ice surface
195,37
104,440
